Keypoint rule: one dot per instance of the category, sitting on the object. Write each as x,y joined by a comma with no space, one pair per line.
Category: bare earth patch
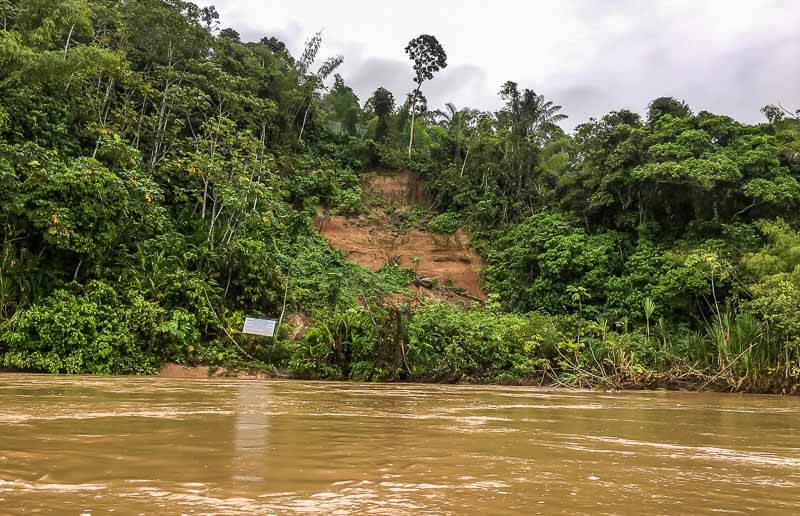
171,370
373,241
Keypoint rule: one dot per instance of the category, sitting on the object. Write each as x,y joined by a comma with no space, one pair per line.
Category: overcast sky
590,56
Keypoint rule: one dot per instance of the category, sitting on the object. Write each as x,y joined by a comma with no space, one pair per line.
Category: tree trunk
101,116
139,124
162,117
411,133
302,127
205,197
214,216
69,37
413,116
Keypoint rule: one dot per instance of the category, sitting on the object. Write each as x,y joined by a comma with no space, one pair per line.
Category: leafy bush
339,347
447,343
445,223
96,331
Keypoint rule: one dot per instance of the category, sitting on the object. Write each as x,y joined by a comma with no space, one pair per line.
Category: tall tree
429,57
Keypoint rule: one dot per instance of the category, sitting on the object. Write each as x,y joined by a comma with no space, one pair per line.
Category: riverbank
646,381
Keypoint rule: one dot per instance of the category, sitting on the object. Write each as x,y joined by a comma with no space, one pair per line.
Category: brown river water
124,445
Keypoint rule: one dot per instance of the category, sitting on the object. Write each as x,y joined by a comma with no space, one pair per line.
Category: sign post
263,327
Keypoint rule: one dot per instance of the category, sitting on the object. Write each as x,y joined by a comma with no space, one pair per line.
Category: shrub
445,223
99,331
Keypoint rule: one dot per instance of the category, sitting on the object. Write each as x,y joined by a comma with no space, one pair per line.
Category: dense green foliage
160,177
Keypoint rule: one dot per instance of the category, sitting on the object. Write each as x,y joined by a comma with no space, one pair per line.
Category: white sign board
253,326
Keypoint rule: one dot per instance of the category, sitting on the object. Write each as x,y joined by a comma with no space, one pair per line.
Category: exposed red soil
180,371
171,370
401,187
373,241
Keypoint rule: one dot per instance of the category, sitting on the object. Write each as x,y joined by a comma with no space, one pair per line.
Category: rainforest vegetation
160,178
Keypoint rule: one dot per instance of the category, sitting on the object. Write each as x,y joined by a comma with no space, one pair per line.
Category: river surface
89,445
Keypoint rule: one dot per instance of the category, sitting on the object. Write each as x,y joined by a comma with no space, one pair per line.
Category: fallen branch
728,366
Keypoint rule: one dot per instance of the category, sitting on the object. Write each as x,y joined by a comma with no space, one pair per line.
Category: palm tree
539,115
459,124
446,118
453,120
529,114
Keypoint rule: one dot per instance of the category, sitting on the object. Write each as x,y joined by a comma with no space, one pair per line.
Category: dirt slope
376,239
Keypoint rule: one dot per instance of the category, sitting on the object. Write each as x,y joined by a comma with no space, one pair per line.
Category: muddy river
87,445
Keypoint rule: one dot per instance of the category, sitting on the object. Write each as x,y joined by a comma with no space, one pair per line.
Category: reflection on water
251,433
72,445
